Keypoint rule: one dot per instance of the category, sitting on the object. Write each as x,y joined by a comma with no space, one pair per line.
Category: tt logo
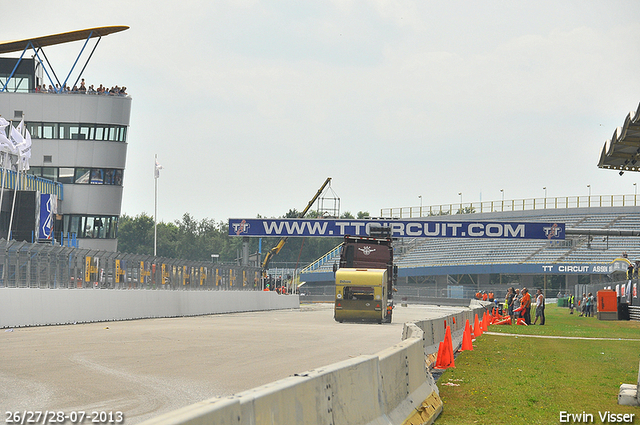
241,227
366,250
552,232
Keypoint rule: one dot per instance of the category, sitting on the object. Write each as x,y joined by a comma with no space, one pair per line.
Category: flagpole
15,192
4,175
155,214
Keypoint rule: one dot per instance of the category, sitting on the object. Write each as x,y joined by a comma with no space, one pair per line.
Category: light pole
589,198
460,193
420,196
545,197
635,193
589,187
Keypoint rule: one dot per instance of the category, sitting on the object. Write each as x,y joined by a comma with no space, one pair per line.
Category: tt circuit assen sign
259,227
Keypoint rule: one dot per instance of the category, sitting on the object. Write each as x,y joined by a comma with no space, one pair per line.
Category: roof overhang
622,151
65,37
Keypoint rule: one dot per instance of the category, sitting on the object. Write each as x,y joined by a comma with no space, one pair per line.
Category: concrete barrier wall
392,387
32,307
434,329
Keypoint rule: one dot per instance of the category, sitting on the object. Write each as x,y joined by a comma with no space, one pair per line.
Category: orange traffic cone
477,330
504,321
445,352
466,338
521,321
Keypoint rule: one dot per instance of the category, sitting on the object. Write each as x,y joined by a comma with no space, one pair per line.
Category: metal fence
28,265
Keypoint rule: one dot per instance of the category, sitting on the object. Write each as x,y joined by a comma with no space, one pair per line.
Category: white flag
25,151
159,167
6,145
16,136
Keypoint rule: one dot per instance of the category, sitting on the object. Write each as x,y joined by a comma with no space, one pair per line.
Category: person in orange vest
266,287
478,296
526,303
491,297
484,296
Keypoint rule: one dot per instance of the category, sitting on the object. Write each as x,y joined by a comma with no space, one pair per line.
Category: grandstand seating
434,252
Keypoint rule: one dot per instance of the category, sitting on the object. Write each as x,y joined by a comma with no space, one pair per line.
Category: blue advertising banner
47,207
261,227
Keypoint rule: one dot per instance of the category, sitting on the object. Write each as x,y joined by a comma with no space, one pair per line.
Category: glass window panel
35,129
99,132
82,175
65,131
74,225
113,134
123,134
88,227
83,132
106,221
98,227
65,175
74,130
97,176
114,227
109,176
117,177
50,173
49,131
36,171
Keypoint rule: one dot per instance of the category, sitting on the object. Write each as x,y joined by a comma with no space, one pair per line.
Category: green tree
135,234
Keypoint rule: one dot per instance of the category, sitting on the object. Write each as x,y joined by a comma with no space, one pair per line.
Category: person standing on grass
583,305
591,305
539,307
572,300
515,304
526,303
508,303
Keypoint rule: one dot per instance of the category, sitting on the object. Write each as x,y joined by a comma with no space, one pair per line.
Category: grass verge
518,380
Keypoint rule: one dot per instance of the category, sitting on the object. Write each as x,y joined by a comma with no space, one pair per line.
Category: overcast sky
251,105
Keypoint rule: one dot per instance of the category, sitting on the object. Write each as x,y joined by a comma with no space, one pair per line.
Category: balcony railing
30,182
594,201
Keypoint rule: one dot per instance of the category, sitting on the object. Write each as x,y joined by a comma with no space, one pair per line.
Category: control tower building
79,142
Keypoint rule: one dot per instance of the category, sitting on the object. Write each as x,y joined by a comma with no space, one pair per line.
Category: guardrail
595,201
392,387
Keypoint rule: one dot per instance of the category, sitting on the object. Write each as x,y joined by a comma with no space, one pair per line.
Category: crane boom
276,249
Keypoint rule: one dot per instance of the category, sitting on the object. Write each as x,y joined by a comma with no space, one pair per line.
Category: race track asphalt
144,368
